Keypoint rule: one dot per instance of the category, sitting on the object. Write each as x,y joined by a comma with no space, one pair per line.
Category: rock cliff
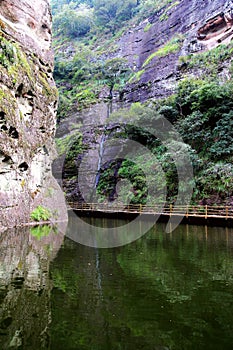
158,52
184,28
28,102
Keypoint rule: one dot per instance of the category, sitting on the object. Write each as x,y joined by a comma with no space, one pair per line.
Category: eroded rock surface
28,102
198,25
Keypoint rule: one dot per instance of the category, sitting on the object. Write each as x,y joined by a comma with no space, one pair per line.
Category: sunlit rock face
217,29
29,22
28,102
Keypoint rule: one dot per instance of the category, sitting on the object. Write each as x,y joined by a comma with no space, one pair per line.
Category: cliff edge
28,103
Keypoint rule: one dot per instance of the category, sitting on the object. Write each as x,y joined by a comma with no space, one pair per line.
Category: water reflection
164,291
25,316
106,233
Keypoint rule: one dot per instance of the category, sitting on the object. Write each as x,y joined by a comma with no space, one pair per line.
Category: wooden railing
203,211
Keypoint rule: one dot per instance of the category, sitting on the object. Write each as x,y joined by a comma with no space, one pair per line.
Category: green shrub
85,98
210,61
223,137
73,22
172,46
164,16
136,76
41,213
216,179
8,53
70,144
147,27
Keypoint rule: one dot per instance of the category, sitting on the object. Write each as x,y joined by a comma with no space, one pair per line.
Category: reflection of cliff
161,292
25,288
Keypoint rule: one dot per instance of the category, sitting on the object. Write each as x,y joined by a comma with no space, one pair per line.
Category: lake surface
163,291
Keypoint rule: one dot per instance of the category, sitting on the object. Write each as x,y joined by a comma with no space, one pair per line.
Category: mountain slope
177,61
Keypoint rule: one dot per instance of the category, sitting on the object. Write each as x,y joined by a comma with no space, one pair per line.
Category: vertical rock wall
28,102
198,25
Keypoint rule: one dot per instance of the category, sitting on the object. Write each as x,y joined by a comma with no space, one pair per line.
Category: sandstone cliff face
28,101
198,25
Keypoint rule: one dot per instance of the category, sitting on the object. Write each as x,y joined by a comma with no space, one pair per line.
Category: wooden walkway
198,211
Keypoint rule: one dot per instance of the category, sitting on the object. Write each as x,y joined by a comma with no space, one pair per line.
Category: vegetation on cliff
84,40
201,112
88,64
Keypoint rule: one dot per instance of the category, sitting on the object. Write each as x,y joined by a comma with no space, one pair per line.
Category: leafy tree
110,13
58,4
72,21
169,112
145,7
193,131
115,71
216,179
223,137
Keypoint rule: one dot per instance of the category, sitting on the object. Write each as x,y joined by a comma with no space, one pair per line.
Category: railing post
227,212
170,210
140,208
206,212
187,211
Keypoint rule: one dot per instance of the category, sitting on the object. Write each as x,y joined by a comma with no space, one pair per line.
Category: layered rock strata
195,26
28,102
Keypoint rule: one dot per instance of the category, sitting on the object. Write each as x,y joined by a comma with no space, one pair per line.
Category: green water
164,291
